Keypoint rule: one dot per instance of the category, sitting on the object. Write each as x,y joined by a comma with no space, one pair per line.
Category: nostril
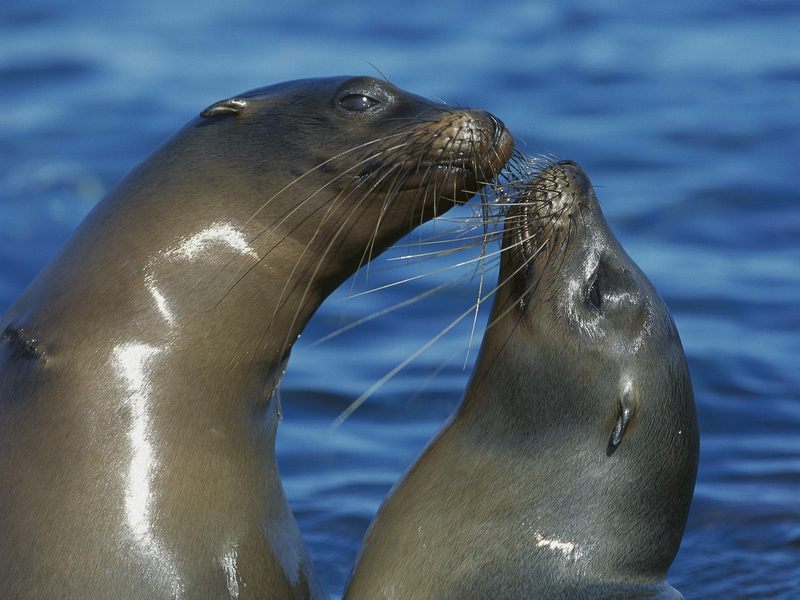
499,129
575,174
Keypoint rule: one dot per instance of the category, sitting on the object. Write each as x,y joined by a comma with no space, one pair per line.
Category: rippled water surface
686,117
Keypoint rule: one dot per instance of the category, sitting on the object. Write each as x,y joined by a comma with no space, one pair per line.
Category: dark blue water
686,117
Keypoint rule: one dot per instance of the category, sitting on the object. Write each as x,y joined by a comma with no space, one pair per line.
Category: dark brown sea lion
137,419
569,467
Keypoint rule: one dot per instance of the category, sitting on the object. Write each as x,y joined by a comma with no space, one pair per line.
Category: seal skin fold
137,417
568,469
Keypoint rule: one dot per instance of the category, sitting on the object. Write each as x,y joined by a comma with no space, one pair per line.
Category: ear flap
231,106
626,410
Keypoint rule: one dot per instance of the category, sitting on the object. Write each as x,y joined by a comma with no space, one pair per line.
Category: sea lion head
590,371
352,163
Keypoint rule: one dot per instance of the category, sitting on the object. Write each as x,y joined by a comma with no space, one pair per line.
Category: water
685,117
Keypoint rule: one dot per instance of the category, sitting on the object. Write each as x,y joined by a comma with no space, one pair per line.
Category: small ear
231,106
626,409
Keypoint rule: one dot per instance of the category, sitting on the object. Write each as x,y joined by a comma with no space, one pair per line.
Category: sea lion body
568,469
137,417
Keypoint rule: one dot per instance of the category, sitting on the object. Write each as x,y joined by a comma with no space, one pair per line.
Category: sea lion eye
357,102
594,293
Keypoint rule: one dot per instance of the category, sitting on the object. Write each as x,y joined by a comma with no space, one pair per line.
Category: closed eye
357,102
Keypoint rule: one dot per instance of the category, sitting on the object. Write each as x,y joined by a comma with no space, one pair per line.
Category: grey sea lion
137,418
568,469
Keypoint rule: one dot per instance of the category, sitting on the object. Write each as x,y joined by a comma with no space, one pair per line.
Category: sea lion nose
499,129
500,138
501,142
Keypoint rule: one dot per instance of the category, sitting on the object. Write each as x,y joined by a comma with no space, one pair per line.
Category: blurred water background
686,116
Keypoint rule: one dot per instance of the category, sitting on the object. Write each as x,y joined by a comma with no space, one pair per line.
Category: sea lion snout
473,140
559,189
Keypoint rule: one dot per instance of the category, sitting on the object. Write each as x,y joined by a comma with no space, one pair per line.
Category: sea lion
137,417
568,469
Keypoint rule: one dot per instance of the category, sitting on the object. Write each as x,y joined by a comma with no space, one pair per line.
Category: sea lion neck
231,289
522,390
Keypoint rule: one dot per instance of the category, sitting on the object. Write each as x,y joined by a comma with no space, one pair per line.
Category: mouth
524,220
468,169
530,237
413,168
411,176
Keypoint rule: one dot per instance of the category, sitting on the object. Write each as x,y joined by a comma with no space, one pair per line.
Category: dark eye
357,102
594,293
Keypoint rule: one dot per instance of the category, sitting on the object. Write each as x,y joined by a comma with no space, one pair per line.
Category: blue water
686,117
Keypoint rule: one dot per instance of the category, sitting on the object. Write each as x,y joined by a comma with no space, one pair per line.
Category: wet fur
519,495
163,347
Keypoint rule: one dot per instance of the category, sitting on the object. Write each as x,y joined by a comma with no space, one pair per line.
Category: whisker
372,316
236,279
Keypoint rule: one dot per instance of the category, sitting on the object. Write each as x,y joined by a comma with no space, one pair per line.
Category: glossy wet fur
137,421
569,467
